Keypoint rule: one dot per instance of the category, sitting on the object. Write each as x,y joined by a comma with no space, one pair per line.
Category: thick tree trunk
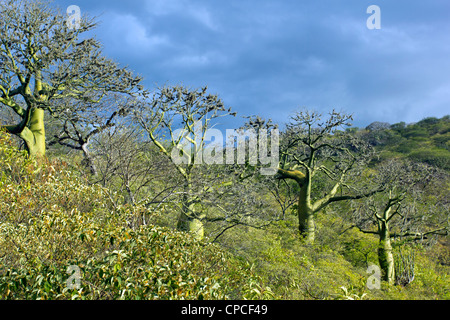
89,161
34,134
188,221
305,212
306,224
385,255
193,225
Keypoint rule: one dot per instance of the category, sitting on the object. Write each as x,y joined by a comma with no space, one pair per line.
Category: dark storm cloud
271,57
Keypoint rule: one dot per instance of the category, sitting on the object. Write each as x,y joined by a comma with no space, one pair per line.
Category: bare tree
235,202
132,165
284,193
42,60
177,121
75,129
397,213
312,150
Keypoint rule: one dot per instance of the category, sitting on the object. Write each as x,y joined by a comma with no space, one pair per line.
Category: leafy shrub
435,157
51,219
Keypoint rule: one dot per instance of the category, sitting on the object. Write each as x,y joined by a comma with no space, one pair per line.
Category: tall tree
313,150
43,60
177,121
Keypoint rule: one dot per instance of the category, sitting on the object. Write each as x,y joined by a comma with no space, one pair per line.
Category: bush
435,157
50,219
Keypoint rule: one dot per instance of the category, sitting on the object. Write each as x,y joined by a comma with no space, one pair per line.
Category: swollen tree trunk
306,224
89,161
305,210
188,221
191,224
33,134
385,255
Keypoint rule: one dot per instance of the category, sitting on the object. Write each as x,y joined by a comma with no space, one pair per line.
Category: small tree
130,164
397,212
75,128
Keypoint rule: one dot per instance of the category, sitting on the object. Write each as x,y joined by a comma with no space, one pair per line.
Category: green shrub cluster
336,266
426,141
51,219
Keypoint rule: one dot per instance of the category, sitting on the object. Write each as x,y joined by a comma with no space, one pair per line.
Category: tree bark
306,223
191,224
34,134
89,161
188,221
385,255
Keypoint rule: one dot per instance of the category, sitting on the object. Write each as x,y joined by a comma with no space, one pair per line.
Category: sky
272,58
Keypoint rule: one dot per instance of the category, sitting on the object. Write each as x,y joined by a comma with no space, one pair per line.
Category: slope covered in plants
50,219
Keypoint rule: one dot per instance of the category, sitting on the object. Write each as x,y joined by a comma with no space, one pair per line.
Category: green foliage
426,141
348,294
359,249
290,267
335,267
435,157
50,219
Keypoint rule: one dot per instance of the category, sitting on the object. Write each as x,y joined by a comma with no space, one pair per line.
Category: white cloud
291,54
182,7
127,33
198,60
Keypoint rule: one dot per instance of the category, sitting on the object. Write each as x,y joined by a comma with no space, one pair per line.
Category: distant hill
426,141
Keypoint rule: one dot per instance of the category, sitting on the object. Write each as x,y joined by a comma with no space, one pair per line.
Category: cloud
271,57
193,10
126,33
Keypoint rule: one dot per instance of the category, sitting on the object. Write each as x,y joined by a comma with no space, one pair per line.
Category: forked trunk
34,134
306,225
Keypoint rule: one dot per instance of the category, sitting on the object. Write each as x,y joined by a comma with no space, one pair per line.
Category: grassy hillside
51,219
426,141
335,267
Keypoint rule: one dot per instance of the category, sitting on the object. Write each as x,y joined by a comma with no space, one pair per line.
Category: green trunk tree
383,218
177,121
190,220
32,131
313,151
395,211
43,61
385,254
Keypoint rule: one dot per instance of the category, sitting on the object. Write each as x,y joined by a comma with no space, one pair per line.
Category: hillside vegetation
110,190
426,141
51,219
